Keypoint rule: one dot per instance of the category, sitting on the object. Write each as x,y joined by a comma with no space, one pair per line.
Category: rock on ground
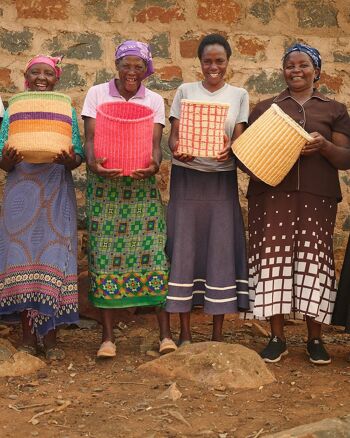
330,428
14,363
215,364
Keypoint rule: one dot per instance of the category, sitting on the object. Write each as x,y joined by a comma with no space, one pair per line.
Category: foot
274,350
184,343
107,349
217,338
54,353
29,349
317,353
167,345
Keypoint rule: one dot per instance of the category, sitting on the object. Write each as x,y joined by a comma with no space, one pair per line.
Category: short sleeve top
314,173
238,113
108,92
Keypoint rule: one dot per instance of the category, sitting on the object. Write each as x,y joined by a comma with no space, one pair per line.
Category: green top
76,141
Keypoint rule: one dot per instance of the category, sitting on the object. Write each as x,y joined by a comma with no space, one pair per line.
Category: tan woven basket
202,128
271,145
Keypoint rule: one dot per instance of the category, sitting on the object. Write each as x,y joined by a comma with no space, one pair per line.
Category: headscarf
136,48
52,61
313,53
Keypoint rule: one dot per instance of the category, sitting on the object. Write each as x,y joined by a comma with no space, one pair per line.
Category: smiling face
214,64
41,77
299,71
132,70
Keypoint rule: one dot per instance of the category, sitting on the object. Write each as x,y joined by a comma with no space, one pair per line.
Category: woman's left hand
151,170
226,153
316,145
69,160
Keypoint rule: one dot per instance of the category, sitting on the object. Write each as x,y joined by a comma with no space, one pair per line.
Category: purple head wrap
136,48
313,53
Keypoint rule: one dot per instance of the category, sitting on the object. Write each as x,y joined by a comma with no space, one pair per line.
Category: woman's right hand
96,167
180,156
10,157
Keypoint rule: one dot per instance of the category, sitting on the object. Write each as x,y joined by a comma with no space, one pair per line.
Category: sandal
29,349
167,345
107,349
54,353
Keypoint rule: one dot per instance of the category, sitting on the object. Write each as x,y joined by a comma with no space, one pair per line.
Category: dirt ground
111,398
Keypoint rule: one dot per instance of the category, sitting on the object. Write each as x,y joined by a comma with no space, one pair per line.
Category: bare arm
93,164
337,151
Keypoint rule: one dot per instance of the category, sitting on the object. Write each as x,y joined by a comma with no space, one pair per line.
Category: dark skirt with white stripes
291,262
206,243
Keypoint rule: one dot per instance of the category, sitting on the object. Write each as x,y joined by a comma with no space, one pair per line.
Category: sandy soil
111,398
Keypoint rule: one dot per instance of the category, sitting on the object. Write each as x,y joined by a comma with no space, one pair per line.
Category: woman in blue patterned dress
38,231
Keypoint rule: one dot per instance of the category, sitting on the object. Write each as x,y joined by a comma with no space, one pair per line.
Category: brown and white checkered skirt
291,263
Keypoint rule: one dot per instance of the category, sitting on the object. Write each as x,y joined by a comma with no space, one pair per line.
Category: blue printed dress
38,241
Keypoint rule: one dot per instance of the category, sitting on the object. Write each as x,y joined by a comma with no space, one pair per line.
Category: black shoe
317,353
274,350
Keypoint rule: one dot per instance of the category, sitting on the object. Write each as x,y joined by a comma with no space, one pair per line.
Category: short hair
214,38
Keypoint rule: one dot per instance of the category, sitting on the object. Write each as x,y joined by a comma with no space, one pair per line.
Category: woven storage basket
40,124
202,128
271,145
124,135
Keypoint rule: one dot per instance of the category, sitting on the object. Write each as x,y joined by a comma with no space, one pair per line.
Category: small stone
260,331
152,353
172,393
122,325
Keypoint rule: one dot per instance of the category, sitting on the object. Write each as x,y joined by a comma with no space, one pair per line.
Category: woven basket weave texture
40,125
202,128
124,135
271,145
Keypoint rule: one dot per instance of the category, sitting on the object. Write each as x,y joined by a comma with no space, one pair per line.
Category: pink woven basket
124,135
202,128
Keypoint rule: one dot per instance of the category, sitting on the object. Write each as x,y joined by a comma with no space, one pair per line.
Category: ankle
280,336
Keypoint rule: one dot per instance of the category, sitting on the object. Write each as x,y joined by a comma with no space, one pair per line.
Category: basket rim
99,110
291,122
205,102
40,94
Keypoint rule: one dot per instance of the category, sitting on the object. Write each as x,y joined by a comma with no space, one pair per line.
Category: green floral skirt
126,242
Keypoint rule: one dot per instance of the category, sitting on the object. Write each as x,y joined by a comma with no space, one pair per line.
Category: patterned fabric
127,234
38,242
291,263
313,53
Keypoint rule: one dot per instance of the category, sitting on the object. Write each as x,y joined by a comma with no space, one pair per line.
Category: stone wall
86,32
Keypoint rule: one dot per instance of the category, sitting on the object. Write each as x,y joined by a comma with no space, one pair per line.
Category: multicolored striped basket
124,135
271,145
202,128
40,124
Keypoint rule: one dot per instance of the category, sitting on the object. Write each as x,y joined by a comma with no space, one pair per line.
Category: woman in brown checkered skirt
291,263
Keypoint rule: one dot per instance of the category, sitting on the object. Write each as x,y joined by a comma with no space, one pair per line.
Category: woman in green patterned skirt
126,224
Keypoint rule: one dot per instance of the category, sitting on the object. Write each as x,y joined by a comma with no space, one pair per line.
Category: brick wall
86,32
